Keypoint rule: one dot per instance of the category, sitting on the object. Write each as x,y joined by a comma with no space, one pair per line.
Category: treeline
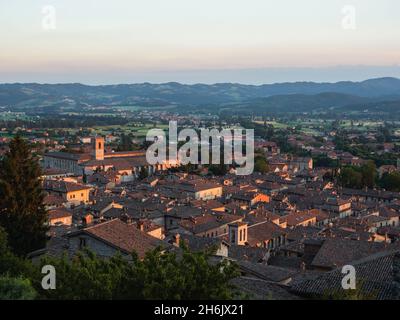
364,151
358,177
361,177
160,275
366,176
64,122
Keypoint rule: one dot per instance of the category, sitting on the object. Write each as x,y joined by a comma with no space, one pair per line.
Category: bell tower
98,148
238,233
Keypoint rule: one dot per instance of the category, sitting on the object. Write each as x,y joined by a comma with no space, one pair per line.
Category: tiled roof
247,253
207,222
296,218
59,213
338,252
52,199
124,237
374,275
267,272
261,289
263,231
64,186
69,156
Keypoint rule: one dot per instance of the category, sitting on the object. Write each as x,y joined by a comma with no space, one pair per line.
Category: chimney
140,225
87,219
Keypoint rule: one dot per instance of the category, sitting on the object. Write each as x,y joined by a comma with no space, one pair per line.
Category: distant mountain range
329,101
297,96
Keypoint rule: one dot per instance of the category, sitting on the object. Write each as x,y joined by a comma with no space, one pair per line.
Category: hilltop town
290,226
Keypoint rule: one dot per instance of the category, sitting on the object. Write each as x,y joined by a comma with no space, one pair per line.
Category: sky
192,41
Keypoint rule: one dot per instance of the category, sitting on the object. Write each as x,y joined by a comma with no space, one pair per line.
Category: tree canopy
22,212
159,275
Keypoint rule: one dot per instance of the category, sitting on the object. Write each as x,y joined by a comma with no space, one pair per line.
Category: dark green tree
368,172
10,264
260,164
160,275
350,178
16,289
22,212
390,181
126,143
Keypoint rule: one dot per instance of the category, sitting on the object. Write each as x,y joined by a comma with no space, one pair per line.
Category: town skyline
203,153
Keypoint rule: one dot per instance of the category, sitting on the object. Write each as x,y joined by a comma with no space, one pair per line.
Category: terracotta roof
336,252
376,277
124,237
208,221
69,156
59,213
52,199
263,231
297,218
267,272
261,289
64,186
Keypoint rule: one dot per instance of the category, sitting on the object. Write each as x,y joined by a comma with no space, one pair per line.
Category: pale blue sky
249,41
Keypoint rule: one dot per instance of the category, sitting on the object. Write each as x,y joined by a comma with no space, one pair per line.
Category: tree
16,289
22,212
390,181
368,172
126,143
160,275
358,177
350,178
218,169
260,164
10,264
325,161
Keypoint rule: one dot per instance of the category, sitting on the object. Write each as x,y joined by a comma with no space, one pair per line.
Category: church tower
238,233
98,148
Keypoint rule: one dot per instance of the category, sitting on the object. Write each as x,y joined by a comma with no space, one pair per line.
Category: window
240,235
82,243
